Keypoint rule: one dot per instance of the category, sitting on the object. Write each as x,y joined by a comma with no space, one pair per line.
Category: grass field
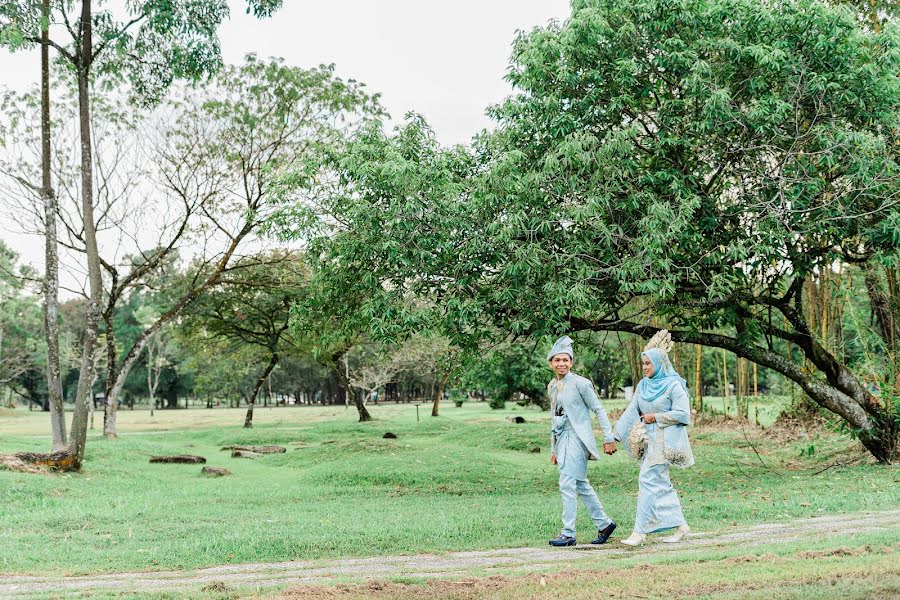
465,480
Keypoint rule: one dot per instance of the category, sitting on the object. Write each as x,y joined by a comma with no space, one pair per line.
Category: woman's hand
552,459
648,418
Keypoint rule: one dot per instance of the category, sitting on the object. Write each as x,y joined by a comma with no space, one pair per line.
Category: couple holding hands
653,429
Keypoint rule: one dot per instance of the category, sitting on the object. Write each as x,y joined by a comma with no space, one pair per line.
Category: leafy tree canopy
688,162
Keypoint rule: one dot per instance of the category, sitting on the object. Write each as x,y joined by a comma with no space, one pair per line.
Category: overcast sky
445,60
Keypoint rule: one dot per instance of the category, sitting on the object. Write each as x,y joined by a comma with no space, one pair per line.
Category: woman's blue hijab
664,375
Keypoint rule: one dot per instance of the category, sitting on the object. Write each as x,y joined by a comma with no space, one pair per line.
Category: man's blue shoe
603,534
562,540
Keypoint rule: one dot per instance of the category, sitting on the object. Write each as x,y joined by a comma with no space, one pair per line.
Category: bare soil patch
456,590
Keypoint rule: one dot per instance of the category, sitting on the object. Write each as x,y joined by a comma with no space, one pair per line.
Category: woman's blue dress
658,506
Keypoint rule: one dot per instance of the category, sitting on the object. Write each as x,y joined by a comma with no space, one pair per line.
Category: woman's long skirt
658,507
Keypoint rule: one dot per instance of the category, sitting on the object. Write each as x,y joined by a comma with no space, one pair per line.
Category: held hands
648,418
609,448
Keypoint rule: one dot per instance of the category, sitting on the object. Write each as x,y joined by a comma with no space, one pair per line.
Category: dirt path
454,564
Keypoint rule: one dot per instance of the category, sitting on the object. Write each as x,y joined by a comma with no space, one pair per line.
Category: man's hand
609,447
552,459
648,418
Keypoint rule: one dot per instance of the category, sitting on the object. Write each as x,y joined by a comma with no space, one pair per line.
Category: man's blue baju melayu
572,400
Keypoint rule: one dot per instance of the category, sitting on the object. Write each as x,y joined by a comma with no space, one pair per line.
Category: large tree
251,307
687,162
228,145
150,43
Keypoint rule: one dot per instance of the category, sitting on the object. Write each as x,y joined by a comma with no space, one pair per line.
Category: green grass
465,480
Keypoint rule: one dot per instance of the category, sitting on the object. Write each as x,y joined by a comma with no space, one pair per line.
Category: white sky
445,60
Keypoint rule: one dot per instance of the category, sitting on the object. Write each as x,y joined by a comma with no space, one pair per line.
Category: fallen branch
244,454
257,449
38,462
184,459
215,471
837,464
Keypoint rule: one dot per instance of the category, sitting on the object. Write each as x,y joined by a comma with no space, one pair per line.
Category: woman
654,428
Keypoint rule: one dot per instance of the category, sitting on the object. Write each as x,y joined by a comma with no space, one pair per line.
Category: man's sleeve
586,389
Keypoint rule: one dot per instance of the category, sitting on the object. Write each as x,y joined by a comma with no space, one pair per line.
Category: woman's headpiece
662,340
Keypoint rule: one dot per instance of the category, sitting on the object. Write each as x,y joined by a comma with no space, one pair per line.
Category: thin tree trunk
698,381
725,389
825,295
755,382
251,400
86,375
634,361
358,401
153,370
439,393
51,277
344,382
112,403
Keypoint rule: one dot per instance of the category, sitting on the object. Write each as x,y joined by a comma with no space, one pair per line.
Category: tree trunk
153,370
725,386
84,395
439,393
51,277
698,380
112,402
251,400
360,404
344,383
634,361
755,382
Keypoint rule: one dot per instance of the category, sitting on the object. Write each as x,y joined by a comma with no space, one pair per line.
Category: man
572,443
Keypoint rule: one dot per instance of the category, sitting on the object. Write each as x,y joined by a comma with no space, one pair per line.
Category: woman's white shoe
679,535
635,539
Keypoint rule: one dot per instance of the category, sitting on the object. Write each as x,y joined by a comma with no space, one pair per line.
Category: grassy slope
462,481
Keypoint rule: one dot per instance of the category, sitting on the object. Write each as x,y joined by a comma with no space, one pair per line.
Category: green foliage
631,166
251,305
692,162
148,43
379,216
508,372
22,350
675,151
235,328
